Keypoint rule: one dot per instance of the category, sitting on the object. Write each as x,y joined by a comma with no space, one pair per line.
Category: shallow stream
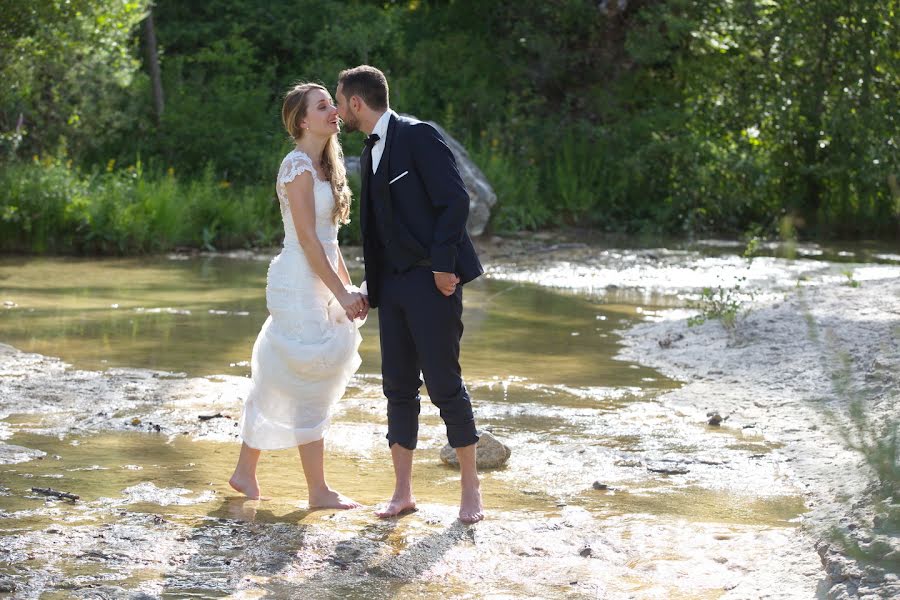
608,493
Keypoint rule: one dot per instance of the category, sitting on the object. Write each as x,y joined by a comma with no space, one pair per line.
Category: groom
418,255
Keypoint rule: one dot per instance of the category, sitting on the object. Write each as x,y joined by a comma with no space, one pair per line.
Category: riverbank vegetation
127,127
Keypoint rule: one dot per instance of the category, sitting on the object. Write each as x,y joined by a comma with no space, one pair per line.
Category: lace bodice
295,163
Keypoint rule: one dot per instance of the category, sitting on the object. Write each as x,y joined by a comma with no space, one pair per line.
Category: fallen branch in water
215,416
55,494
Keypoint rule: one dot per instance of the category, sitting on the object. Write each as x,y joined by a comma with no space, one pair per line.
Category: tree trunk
153,65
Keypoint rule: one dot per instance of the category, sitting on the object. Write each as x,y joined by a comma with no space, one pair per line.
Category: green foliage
850,281
50,206
722,304
229,123
70,74
512,170
799,102
726,305
678,117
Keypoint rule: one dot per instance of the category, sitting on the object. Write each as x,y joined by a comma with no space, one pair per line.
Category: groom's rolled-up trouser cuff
403,423
461,436
456,412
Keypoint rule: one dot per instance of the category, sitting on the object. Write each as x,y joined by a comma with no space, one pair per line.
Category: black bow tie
370,140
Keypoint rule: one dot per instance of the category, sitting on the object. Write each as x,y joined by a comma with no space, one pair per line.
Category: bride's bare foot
248,487
329,498
470,508
397,506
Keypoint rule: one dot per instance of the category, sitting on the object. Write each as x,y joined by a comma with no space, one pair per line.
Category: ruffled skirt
303,358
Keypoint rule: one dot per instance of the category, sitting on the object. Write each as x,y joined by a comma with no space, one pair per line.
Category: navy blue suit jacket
415,207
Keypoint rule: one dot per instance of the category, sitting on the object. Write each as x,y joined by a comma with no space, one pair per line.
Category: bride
307,349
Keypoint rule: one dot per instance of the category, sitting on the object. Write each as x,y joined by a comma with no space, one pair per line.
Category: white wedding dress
307,349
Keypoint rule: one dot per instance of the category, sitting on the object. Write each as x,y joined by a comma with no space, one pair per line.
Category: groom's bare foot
470,508
398,505
329,498
248,487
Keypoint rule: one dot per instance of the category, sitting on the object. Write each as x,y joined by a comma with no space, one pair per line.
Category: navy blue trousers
420,330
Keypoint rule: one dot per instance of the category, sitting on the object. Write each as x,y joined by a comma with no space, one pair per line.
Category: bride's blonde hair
293,111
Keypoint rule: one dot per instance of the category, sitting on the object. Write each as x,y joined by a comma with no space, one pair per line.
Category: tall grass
516,179
49,206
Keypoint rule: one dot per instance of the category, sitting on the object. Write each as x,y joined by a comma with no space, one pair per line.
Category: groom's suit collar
382,129
381,125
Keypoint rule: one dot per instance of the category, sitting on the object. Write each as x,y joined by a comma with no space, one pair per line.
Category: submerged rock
491,453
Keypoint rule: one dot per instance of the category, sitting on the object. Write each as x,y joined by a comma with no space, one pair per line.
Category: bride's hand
353,304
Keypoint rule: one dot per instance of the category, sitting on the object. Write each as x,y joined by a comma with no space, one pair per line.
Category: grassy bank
50,206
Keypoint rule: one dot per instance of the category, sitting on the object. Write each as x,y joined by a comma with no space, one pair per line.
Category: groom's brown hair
368,83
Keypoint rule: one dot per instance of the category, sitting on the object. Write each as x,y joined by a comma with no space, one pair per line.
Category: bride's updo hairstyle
293,111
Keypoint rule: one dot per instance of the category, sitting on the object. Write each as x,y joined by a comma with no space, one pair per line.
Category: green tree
70,73
797,103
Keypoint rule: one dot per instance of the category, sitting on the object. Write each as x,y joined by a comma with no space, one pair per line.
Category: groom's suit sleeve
448,195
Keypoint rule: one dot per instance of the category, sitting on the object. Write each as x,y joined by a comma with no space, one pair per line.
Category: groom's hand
446,282
365,311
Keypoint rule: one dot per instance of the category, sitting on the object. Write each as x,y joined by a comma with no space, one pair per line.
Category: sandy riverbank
791,369
819,337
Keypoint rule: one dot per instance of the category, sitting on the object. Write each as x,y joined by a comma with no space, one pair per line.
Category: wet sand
156,516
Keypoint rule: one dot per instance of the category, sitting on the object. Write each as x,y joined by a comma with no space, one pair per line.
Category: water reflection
201,315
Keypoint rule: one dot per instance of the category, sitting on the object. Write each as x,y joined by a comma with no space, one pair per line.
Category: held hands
446,282
354,304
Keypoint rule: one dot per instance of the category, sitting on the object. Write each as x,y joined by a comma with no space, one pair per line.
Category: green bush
51,206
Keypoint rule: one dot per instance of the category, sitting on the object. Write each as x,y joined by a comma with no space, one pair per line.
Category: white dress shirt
381,128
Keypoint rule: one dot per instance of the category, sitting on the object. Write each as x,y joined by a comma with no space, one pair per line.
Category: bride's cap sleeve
292,165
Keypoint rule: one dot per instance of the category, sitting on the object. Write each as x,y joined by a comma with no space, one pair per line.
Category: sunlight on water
668,277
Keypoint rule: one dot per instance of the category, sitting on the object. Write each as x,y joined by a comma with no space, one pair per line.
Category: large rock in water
490,452
481,195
